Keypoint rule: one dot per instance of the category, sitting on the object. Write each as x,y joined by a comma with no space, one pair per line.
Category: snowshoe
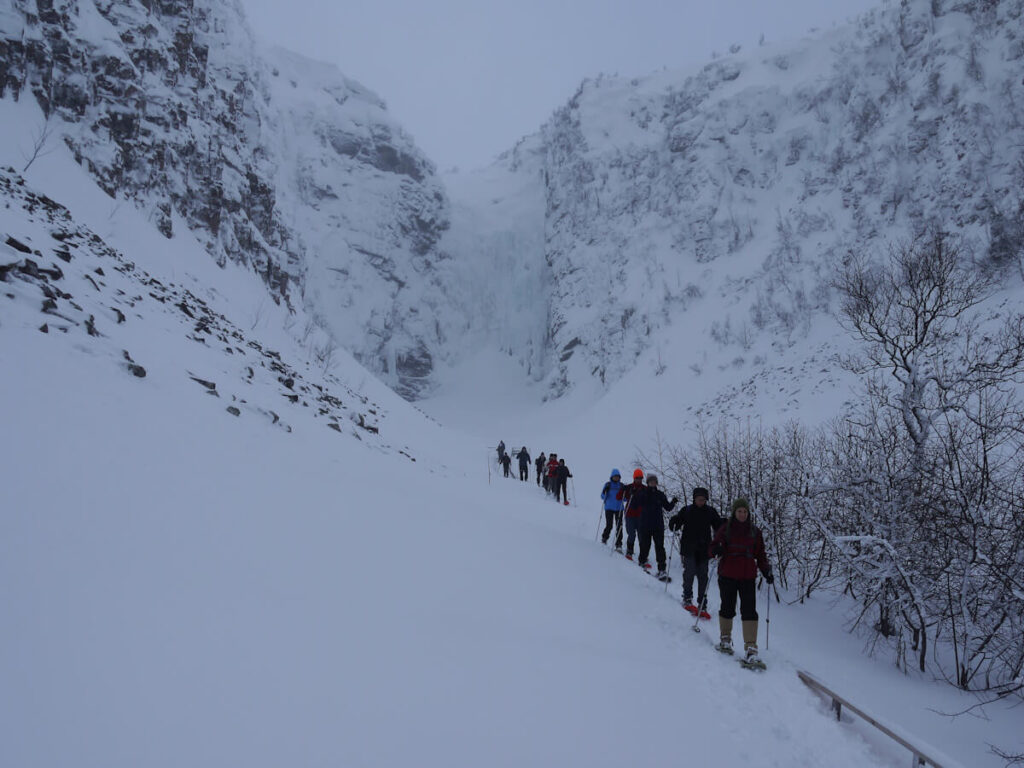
752,660
629,556
663,576
645,566
566,503
705,615
690,608
619,550
724,646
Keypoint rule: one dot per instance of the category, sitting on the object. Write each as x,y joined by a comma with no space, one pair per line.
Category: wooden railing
838,702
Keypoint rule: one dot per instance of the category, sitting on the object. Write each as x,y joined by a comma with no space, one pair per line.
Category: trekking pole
600,519
768,618
488,467
573,484
672,546
704,603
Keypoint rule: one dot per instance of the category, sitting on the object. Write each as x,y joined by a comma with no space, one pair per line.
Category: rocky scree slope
273,161
62,279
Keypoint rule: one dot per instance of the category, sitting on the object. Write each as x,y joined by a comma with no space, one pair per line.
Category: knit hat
740,502
652,478
638,474
700,492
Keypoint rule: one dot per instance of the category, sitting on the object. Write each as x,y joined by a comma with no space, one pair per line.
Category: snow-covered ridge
272,160
717,203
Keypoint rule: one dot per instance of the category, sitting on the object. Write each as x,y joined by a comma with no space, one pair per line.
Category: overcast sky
468,78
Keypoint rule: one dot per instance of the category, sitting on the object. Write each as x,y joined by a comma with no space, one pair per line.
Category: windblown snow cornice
273,160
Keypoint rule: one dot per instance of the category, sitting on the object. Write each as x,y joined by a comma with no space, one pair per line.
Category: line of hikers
736,542
552,471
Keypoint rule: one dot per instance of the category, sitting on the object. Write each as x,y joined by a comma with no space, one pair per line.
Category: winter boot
725,627
629,556
663,575
566,502
750,633
645,566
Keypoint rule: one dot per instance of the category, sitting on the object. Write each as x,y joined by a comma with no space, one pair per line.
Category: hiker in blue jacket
611,495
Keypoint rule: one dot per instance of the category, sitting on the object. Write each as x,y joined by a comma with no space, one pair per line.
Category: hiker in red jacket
632,513
552,472
739,545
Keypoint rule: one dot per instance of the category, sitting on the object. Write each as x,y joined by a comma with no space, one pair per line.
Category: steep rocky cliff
729,195
275,161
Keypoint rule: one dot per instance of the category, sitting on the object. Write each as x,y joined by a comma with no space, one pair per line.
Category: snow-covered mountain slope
271,160
717,204
213,553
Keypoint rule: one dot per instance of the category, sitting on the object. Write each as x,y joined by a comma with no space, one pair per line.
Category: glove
769,577
673,524
718,550
675,500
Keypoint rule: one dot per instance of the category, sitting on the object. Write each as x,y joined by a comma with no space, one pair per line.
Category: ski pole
600,519
704,602
768,617
488,467
573,484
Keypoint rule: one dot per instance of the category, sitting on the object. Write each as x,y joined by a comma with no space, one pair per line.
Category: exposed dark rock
18,245
233,411
211,388
44,328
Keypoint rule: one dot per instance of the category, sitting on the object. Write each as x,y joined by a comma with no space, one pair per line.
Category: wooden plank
920,758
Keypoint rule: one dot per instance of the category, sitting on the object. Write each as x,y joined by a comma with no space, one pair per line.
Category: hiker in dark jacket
611,495
562,475
740,546
524,463
653,504
632,512
697,523
506,462
542,460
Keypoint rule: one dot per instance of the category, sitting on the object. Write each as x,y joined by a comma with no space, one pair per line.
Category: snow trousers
694,566
657,535
524,472
632,523
612,516
747,592
561,488
506,466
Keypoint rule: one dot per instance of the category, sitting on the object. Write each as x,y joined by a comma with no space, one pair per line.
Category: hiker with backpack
611,495
632,513
562,475
506,463
552,473
739,545
697,523
653,504
524,463
542,460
